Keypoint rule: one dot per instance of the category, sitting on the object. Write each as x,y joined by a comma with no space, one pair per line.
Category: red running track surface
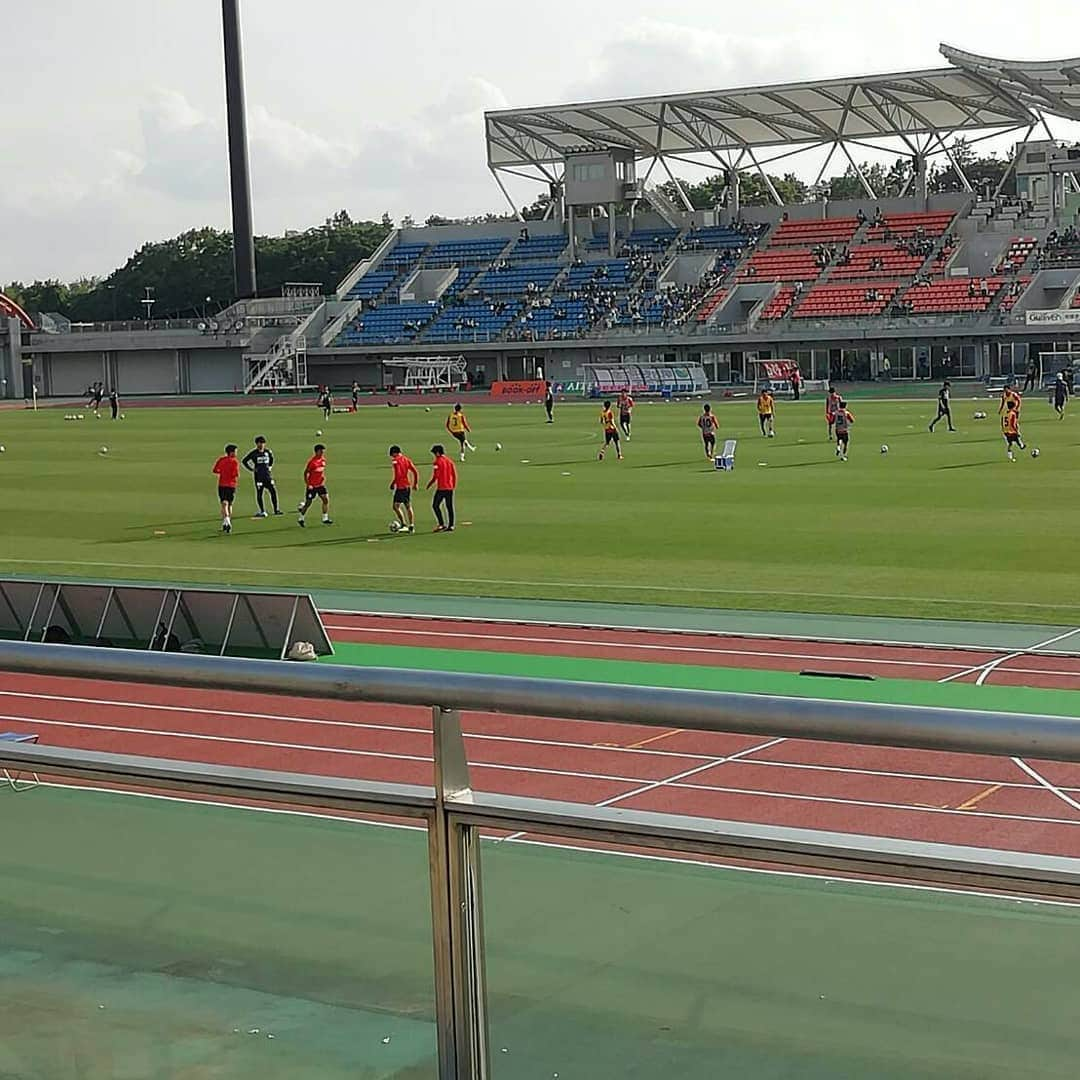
952,798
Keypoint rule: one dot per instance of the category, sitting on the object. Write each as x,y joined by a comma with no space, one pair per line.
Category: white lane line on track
1052,788
638,646
675,781
652,785
554,624
985,670
513,739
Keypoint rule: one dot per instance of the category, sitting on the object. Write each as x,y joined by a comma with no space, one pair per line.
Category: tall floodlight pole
239,173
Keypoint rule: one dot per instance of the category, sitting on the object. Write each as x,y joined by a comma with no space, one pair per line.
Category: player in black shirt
114,403
355,395
943,409
260,461
326,403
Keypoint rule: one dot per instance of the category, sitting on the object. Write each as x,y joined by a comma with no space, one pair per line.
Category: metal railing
455,814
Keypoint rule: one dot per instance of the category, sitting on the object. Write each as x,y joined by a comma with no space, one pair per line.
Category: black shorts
315,493
226,494
708,436
1012,440
842,437
624,418
611,437
402,496
1059,403
460,436
264,482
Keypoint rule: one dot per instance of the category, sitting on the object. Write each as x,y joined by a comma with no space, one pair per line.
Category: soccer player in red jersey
444,479
315,485
227,469
406,480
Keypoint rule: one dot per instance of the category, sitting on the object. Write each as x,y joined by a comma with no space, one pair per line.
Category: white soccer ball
498,446
772,434
884,448
104,449
318,432
395,526
121,416
3,449
1035,452
81,417
980,416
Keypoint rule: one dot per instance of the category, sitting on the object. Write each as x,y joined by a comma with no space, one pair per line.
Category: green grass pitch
941,526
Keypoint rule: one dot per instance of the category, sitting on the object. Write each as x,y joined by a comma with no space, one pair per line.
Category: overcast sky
113,112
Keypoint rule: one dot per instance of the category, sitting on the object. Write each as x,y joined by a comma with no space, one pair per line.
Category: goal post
424,373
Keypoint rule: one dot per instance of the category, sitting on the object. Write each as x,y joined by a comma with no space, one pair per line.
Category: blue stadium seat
403,256
460,252
372,284
612,273
650,240
473,320
538,247
514,280
387,324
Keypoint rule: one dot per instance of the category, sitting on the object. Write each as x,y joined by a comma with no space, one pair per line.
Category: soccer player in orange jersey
611,432
315,485
444,480
1010,428
404,482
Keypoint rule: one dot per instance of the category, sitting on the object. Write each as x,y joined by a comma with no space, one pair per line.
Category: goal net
429,372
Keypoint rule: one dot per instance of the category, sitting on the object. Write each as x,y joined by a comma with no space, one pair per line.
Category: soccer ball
318,432
498,446
884,448
104,449
121,416
772,434
3,449
395,526
1035,452
980,416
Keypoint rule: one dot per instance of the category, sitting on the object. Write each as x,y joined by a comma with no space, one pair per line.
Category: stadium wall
211,370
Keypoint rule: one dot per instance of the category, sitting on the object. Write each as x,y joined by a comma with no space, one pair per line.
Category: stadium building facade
906,286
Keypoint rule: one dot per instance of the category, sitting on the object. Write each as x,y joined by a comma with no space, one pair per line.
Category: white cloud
654,57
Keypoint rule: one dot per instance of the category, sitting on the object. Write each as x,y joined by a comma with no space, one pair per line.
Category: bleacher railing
455,816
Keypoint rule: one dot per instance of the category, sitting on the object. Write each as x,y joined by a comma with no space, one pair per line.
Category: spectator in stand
1030,376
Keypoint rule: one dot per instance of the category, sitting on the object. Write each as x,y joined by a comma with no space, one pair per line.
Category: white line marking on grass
985,670
1043,782
546,584
639,645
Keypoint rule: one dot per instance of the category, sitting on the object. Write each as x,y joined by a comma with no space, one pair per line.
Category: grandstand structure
906,285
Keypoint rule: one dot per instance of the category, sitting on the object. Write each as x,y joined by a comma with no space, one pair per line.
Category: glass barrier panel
145,935
628,963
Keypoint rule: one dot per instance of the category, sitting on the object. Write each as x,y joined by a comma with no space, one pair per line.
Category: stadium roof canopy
912,111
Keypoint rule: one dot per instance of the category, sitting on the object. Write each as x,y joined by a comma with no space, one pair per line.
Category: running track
952,798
